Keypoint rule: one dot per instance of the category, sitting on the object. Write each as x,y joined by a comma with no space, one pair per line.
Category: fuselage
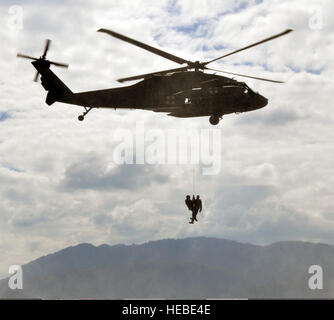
183,94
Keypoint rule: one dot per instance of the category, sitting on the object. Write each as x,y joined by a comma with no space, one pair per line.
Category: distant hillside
184,268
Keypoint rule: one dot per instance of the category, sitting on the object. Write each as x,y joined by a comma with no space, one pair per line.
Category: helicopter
183,92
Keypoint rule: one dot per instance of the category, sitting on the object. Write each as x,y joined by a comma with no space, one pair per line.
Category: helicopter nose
261,101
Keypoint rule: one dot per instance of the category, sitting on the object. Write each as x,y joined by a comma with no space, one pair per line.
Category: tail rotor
42,58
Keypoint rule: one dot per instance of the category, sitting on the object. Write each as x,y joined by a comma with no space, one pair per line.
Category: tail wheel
214,120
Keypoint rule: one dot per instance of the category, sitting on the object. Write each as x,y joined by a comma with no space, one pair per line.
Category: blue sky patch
314,71
198,29
294,69
11,168
241,6
246,63
173,8
308,70
157,37
216,47
4,116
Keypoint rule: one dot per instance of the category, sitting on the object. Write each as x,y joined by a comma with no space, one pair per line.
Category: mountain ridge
196,267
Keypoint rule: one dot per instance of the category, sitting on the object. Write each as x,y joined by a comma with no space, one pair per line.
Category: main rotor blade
243,75
252,45
46,49
19,55
142,76
144,46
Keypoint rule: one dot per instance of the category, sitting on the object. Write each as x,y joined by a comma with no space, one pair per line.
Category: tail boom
57,90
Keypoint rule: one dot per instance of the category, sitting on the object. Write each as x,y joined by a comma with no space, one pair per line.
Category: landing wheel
214,120
82,117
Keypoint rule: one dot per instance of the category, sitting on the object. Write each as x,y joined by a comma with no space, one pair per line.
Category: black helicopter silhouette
178,92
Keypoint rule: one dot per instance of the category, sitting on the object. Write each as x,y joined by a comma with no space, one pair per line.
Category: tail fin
57,90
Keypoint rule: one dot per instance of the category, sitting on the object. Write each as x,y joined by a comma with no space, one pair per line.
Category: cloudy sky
58,183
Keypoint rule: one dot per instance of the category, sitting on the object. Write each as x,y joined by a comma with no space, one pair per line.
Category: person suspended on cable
191,206
198,203
189,203
194,211
197,206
